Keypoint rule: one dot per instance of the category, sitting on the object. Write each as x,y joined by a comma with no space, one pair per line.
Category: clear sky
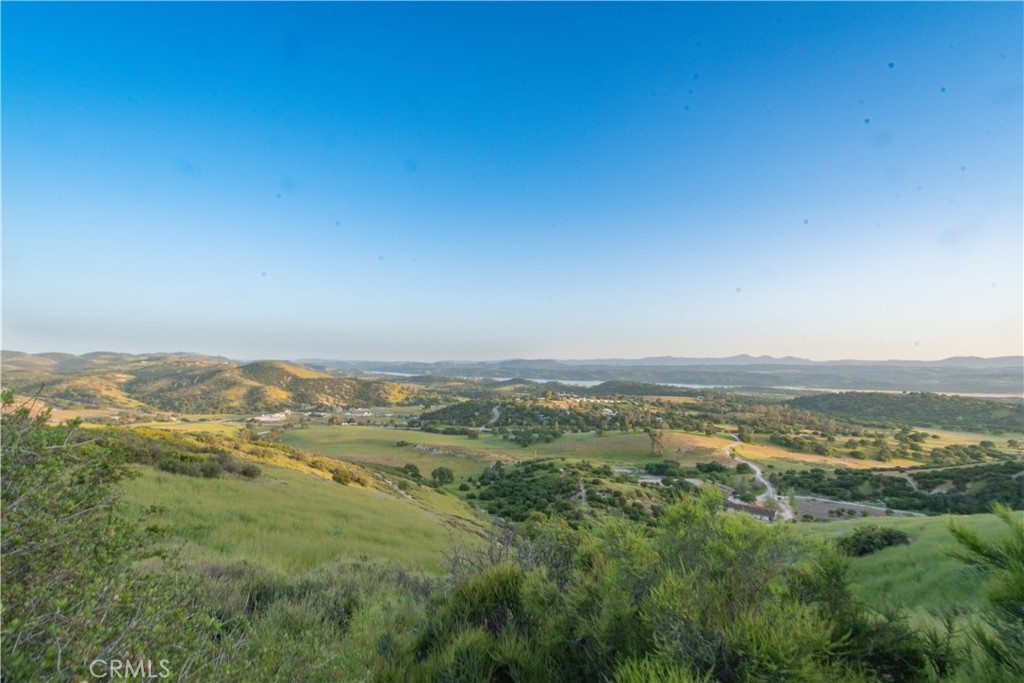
484,181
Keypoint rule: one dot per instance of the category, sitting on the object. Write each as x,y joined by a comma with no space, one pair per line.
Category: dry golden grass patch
950,438
673,399
765,452
58,415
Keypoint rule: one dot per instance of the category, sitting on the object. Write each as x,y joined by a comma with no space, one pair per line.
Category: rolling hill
186,383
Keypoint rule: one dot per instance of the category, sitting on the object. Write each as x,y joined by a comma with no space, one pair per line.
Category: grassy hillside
278,373
379,445
919,577
289,521
185,383
292,575
293,512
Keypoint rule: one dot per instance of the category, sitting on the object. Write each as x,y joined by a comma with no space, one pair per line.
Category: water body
781,387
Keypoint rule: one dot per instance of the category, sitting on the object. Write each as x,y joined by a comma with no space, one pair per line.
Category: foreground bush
1000,639
701,596
72,592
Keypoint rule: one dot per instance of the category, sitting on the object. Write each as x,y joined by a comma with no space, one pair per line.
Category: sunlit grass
290,521
920,577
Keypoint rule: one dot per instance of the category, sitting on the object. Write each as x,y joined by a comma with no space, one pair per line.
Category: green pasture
289,521
468,457
920,577
774,464
465,457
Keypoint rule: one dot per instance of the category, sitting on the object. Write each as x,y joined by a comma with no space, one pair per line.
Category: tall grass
919,577
290,521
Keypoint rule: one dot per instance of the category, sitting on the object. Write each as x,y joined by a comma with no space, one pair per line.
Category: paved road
495,416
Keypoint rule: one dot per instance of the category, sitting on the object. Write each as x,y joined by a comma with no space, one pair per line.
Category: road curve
770,493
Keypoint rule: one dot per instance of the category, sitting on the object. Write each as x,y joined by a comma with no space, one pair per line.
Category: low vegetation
870,538
594,559
957,490
922,409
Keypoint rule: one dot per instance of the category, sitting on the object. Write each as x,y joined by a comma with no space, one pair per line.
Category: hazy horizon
299,359
529,180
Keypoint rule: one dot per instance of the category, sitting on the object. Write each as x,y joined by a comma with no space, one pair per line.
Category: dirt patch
819,509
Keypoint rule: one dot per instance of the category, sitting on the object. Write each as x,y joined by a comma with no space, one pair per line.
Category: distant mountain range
191,382
744,359
671,361
962,374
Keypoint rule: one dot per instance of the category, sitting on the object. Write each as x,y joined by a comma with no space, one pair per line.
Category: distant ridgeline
964,375
187,383
920,409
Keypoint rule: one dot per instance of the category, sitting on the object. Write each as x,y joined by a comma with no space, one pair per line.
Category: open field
919,577
819,508
950,438
205,427
468,457
378,445
289,521
768,452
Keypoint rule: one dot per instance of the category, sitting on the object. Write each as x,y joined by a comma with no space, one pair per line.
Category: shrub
870,538
249,470
442,476
210,469
72,589
1000,639
176,465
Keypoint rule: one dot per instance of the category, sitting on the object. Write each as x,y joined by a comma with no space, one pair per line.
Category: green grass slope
919,577
290,521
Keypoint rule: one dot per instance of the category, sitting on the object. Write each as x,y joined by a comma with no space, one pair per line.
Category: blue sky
483,181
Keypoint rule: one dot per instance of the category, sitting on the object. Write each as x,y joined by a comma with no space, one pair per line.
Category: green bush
72,592
1000,641
249,470
210,469
870,538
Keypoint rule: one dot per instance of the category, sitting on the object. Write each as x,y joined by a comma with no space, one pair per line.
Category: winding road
770,493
